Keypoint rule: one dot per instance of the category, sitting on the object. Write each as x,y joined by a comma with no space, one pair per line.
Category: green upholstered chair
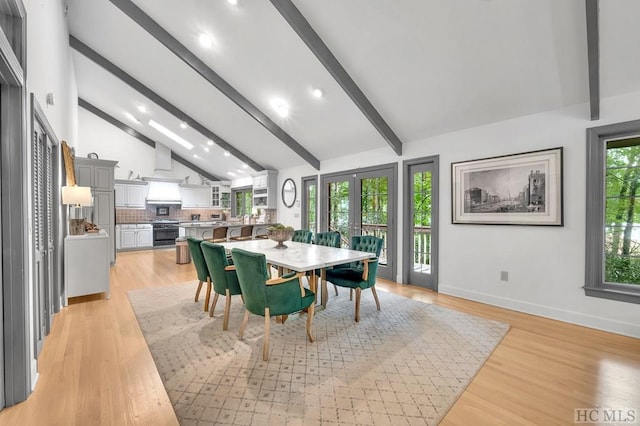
223,274
269,297
302,236
359,275
328,239
201,269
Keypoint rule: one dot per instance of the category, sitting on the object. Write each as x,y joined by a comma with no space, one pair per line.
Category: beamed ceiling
392,72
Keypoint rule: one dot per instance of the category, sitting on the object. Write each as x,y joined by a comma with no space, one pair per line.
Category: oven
165,233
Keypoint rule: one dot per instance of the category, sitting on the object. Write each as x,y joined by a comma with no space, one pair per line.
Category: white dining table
302,257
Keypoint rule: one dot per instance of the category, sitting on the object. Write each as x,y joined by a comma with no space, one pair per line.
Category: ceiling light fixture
227,153
209,142
168,133
183,124
240,170
318,93
231,173
195,155
143,109
132,117
206,149
281,107
233,2
244,165
205,40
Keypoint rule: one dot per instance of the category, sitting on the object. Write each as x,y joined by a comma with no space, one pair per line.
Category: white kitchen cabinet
145,236
265,189
195,196
131,195
221,194
118,244
86,264
133,236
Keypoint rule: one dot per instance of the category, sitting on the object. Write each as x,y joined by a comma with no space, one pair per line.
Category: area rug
406,364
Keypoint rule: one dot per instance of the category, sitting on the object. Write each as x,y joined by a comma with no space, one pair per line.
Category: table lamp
76,197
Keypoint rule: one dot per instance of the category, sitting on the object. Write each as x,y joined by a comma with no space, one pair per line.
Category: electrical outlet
504,276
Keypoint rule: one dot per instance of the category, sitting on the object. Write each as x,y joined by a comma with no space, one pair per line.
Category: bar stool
245,233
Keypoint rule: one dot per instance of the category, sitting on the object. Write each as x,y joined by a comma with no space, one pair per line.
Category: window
242,201
309,203
613,212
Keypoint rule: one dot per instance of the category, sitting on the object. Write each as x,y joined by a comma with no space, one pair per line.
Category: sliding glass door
362,202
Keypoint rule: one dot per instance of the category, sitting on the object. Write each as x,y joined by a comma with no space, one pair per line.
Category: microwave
162,210
217,216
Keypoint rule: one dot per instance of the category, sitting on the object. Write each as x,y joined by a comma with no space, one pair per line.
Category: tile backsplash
176,213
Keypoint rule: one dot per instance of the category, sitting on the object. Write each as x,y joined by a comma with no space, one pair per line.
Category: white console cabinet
86,264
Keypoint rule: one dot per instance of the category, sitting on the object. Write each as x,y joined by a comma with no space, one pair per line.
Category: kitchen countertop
205,224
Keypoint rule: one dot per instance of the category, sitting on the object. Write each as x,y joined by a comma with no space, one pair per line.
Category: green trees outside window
622,213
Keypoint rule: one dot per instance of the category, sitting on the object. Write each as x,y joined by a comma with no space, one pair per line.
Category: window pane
622,213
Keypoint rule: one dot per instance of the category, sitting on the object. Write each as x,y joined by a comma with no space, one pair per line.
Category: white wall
545,264
50,67
49,70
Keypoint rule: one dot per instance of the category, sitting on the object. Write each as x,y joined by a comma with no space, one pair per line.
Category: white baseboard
578,318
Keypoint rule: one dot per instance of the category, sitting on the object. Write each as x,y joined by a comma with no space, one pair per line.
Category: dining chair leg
242,297
310,312
213,304
267,327
325,293
358,294
227,308
375,296
198,291
350,294
208,295
335,287
244,324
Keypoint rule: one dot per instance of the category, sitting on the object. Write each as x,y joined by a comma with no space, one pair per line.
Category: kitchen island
204,230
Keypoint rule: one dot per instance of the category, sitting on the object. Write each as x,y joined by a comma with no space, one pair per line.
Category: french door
363,202
420,228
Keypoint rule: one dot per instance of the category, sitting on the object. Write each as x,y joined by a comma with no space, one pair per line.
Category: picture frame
514,189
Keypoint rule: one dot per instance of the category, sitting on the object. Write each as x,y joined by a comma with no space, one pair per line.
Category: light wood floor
95,367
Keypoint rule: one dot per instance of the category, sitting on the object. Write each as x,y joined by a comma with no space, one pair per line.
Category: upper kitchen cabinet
98,174
221,194
131,194
265,189
195,196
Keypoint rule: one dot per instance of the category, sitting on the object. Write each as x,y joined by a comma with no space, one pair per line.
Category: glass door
420,224
362,202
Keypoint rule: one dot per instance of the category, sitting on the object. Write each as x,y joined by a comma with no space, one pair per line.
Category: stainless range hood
163,189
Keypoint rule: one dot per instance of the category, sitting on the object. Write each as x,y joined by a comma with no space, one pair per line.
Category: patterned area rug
406,364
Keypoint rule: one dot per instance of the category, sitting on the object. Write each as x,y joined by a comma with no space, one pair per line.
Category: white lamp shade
77,195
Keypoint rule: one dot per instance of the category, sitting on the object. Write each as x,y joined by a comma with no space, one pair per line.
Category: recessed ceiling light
205,40
240,170
318,93
231,173
244,166
227,153
195,155
209,142
143,109
233,2
168,133
206,149
183,124
132,117
281,107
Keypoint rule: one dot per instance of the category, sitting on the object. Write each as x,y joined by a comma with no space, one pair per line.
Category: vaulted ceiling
391,72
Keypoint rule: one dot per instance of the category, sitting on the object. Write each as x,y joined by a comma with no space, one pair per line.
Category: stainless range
165,232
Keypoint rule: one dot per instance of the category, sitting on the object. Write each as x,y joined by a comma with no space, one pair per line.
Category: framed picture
517,189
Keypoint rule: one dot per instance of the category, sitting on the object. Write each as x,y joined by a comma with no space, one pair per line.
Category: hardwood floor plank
96,369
